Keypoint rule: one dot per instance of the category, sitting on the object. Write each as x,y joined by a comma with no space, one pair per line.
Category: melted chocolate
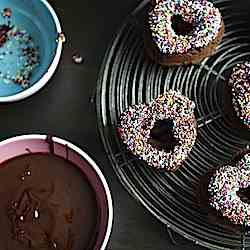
32,218
52,205
50,141
67,151
28,150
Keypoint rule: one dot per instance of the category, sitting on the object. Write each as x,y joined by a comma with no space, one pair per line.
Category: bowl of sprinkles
31,41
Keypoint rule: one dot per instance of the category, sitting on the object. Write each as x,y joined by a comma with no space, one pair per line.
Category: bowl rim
50,71
95,167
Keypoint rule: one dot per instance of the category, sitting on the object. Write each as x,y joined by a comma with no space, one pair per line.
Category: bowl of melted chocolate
53,196
30,47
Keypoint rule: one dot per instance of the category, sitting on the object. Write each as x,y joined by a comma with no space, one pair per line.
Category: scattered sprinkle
36,214
7,12
78,59
19,56
62,37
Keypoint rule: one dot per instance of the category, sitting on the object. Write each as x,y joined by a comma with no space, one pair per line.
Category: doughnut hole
180,26
162,135
244,194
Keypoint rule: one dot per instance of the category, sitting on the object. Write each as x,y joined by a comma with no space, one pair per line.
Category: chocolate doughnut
224,190
182,31
162,133
239,88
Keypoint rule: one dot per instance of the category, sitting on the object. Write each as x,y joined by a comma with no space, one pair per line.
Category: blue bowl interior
36,19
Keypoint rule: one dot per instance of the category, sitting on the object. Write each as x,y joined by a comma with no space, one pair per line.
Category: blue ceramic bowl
40,21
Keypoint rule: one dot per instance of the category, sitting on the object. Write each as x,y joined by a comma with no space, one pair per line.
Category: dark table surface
64,108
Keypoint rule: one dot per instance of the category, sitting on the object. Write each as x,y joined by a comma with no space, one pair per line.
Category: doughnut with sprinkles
162,133
239,85
224,191
182,31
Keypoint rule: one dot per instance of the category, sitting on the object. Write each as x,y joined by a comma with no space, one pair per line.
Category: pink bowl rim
95,167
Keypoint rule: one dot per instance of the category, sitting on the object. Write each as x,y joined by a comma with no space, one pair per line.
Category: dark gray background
64,108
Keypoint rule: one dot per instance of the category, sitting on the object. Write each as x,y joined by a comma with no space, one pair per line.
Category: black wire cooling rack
128,77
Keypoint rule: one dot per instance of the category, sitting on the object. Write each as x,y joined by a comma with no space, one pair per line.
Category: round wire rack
128,77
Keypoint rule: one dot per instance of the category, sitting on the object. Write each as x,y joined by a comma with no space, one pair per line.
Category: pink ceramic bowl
17,146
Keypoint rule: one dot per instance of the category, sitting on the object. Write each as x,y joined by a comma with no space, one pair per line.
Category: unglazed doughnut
239,85
182,31
223,190
162,133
